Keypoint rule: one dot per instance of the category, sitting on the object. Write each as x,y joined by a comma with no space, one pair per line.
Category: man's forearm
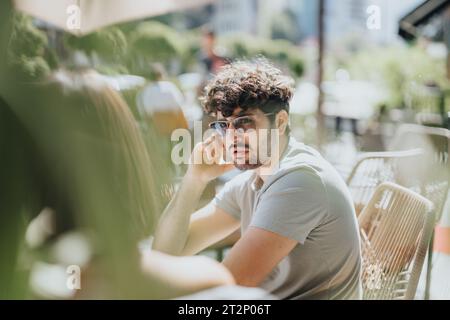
172,231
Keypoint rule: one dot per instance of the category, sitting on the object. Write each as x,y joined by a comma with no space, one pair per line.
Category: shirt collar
257,182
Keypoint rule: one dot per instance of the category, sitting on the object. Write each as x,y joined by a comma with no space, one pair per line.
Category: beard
247,166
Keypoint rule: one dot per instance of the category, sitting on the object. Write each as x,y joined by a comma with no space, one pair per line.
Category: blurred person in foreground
299,230
71,144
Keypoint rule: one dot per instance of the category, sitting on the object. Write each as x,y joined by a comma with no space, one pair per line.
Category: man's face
247,138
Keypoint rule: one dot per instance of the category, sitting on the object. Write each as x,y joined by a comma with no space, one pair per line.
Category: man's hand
172,233
206,161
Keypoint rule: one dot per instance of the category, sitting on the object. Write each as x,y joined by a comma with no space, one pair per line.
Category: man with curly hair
299,235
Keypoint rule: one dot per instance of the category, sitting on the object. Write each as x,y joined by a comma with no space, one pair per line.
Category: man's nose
231,126
235,135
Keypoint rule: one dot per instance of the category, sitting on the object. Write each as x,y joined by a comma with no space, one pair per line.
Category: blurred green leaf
109,43
397,68
280,51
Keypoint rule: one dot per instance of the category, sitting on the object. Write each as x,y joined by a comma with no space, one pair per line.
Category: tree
282,52
150,42
285,26
28,48
399,70
105,48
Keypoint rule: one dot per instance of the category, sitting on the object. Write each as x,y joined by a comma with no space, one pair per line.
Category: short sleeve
293,205
228,197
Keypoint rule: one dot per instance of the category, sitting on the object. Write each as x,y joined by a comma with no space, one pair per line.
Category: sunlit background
370,76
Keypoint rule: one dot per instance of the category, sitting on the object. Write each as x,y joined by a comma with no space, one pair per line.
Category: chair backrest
410,135
395,228
373,168
435,173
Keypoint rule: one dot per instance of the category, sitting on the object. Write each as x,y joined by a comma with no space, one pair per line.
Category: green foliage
152,42
34,67
109,43
107,49
132,48
397,69
191,49
284,26
26,39
28,48
110,69
281,51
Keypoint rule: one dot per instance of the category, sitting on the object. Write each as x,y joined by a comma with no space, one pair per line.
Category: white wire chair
434,171
436,176
373,168
395,227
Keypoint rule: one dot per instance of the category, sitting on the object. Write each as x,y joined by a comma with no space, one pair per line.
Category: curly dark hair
253,84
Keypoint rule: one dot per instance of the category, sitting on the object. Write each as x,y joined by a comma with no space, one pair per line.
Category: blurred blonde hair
98,111
71,143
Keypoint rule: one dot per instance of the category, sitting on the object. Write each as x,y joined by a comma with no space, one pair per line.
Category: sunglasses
240,123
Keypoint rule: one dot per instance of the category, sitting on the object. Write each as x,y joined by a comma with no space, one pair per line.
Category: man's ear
282,121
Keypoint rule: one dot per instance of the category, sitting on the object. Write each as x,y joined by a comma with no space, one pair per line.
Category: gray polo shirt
305,200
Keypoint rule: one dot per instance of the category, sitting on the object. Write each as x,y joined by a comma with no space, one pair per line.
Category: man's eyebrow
240,114
243,113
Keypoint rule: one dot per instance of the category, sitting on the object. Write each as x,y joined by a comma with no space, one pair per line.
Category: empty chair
435,184
434,172
395,228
